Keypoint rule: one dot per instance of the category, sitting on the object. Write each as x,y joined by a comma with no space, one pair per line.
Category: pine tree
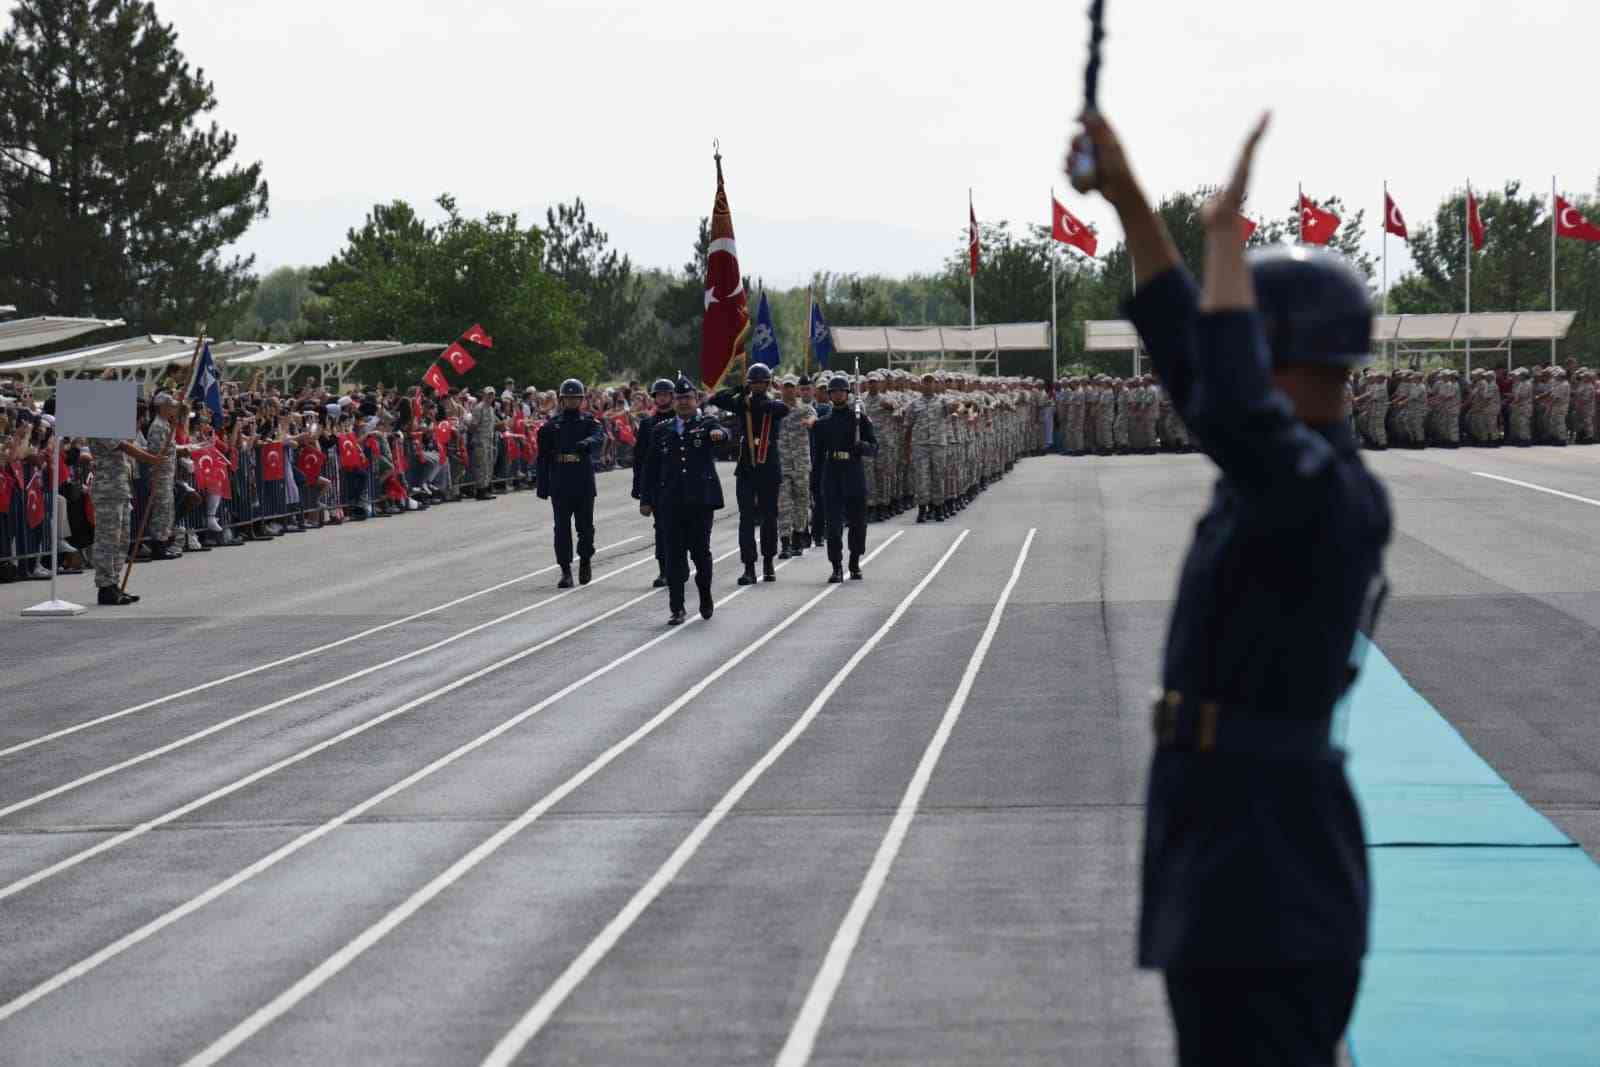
113,199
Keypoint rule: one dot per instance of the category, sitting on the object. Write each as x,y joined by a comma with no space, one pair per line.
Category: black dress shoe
678,617
566,578
855,568
660,582
584,573
111,596
922,513
837,576
749,575
707,605
784,552
767,574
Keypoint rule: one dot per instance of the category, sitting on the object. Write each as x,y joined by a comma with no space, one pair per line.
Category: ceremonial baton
1081,164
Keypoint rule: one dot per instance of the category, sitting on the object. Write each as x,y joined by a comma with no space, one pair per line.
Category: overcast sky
851,131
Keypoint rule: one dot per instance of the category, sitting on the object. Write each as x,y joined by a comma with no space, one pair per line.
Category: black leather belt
1187,724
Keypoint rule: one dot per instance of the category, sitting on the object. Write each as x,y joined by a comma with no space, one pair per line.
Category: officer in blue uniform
758,474
661,394
1255,897
843,438
681,489
819,528
566,477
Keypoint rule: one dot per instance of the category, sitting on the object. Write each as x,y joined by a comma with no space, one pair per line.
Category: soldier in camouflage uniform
1073,441
794,451
920,434
160,440
112,496
1560,405
484,421
1583,399
1519,423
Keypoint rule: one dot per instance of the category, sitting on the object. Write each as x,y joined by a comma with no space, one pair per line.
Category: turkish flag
350,457
478,337
210,471
727,318
441,435
459,358
1571,223
973,244
436,381
1068,229
1246,228
1317,226
308,461
272,461
1474,221
35,505
1393,221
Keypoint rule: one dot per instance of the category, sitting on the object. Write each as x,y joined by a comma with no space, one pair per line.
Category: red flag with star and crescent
1570,222
1069,229
1393,221
1474,221
272,461
35,502
459,358
309,461
478,337
435,380
727,318
1317,226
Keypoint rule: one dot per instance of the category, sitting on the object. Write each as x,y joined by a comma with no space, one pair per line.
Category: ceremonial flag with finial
727,318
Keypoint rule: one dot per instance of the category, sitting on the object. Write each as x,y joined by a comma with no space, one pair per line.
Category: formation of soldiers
1447,408
1102,415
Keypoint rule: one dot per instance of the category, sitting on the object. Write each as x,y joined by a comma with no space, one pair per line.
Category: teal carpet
1486,917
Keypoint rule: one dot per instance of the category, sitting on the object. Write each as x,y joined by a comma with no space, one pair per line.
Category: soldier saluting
758,474
681,489
1255,882
843,437
566,478
661,394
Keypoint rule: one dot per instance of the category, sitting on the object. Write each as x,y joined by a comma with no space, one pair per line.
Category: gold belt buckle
1165,717
567,457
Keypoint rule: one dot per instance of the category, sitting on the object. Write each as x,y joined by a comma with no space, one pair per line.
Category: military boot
566,578
749,575
784,552
855,567
767,573
583,572
922,513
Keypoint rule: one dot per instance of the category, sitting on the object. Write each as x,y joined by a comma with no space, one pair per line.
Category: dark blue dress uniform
1255,896
819,526
680,483
566,479
842,438
758,473
641,456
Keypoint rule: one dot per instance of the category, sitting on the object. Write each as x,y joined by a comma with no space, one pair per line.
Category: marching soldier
842,439
1255,899
566,478
758,473
661,394
681,490
794,492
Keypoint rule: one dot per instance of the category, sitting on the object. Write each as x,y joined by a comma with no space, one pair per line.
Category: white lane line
1539,488
341,959
526,1028
200,735
234,677
233,787
272,859
803,1037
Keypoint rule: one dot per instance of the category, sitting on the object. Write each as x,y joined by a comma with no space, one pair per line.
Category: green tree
680,308
114,200
607,292
399,278
276,309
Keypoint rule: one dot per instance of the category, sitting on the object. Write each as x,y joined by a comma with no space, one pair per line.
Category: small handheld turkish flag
1393,222
459,358
1317,226
35,505
1474,221
272,461
1571,223
478,337
436,380
1068,229
350,457
308,461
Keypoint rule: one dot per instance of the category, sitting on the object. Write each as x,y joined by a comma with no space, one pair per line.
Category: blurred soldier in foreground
1255,884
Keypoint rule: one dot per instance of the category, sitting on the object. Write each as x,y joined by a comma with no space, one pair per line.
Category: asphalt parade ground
385,795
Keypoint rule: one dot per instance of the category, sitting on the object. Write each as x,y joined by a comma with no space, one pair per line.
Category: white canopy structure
1400,335
333,360
973,347
18,334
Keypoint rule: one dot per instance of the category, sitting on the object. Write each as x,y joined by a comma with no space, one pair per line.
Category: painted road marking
1539,488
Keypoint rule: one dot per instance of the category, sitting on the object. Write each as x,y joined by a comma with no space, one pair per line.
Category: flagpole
972,275
1300,213
1054,374
1466,254
1552,261
805,348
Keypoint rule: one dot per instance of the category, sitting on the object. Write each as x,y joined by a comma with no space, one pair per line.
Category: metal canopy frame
334,361
19,334
975,349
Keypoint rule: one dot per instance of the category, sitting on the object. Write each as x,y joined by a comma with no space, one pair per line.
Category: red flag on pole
727,318
478,337
1246,228
1393,221
1317,226
435,379
972,238
35,505
1474,221
459,358
1068,229
272,461
1571,223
